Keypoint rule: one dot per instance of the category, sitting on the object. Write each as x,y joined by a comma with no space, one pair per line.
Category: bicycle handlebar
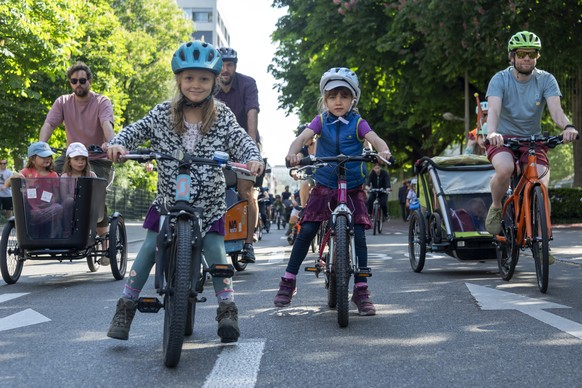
145,155
548,141
320,161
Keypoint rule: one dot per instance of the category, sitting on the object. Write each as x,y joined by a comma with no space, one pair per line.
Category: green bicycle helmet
524,40
197,55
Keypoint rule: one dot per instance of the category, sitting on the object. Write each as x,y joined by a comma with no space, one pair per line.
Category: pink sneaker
287,290
361,299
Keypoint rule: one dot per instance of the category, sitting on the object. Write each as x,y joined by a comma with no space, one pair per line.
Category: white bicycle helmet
337,77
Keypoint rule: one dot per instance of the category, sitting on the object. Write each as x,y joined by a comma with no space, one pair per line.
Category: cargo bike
453,199
56,219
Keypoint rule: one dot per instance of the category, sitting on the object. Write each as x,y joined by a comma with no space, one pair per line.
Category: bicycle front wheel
540,240
11,260
179,277
342,269
508,252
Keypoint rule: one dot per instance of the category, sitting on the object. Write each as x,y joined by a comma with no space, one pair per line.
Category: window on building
204,16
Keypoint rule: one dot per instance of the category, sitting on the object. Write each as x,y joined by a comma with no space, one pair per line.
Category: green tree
412,58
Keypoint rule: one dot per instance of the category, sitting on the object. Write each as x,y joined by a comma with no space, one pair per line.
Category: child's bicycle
526,219
377,212
181,269
337,257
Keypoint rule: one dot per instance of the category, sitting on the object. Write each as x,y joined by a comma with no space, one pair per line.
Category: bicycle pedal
316,269
221,270
365,272
149,305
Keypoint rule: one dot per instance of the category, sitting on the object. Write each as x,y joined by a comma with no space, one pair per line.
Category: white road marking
237,366
492,299
24,318
7,297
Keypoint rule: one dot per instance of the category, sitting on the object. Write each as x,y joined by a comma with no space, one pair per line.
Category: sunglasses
82,81
2,163
523,54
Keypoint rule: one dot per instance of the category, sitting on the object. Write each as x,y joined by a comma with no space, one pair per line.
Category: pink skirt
322,200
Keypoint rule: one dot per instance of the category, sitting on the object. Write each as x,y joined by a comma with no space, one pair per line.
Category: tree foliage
411,57
127,43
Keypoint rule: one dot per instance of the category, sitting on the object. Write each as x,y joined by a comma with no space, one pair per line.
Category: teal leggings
213,249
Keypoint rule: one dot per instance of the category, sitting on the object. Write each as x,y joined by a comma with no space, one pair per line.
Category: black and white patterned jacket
208,185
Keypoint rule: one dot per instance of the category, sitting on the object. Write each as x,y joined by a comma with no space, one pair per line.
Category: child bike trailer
454,196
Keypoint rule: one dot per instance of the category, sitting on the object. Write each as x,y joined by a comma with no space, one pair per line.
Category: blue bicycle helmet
340,76
197,55
228,54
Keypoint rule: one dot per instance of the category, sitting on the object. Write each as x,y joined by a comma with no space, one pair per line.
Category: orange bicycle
526,219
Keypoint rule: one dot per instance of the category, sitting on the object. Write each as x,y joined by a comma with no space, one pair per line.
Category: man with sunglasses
517,97
88,119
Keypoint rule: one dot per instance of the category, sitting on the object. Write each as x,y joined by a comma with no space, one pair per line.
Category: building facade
209,22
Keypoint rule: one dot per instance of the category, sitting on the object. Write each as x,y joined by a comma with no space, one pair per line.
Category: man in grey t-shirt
517,97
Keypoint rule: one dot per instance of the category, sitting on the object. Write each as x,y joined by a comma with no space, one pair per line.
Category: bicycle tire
540,240
380,219
177,294
375,218
238,265
416,241
11,262
93,261
342,269
117,250
508,253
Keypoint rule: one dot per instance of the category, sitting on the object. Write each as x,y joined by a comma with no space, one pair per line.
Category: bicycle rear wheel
540,240
508,252
416,241
341,269
177,293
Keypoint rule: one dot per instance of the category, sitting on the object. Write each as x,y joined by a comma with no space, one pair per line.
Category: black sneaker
227,317
248,254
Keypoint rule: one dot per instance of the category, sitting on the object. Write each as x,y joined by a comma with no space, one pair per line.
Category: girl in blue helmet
195,123
340,130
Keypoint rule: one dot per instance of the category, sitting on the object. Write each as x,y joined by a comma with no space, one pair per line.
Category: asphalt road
456,324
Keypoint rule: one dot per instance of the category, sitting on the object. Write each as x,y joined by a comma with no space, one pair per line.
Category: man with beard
239,92
517,97
88,119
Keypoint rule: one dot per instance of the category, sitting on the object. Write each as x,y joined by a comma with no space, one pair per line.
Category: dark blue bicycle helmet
197,55
228,54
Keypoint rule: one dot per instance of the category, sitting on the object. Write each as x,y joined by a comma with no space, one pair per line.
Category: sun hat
41,149
77,149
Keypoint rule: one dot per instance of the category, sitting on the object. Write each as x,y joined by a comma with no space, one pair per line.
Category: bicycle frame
526,221
523,193
340,262
181,269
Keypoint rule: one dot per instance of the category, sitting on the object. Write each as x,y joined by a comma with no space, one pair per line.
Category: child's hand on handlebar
114,151
255,167
293,160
